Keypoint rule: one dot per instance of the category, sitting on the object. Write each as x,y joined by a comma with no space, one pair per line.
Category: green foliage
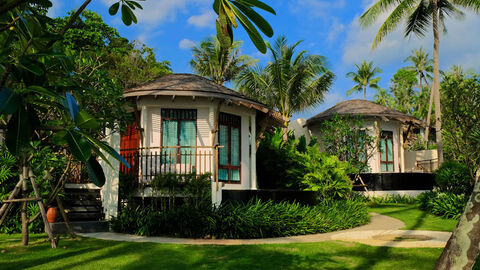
402,95
291,82
394,198
293,164
444,204
364,77
344,137
278,163
218,63
7,165
242,10
326,175
454,177
255,219
194,189
460,119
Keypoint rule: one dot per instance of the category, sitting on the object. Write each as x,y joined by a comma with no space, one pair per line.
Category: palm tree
422,64
383,98
420,15
291,82
218,63
364,78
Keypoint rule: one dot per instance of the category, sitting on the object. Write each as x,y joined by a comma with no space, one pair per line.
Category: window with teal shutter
229,156
386,151
179,128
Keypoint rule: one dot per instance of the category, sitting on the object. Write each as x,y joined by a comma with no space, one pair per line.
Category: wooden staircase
84,210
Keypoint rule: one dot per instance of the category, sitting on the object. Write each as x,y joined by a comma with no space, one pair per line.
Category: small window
229,156
179,128
386,151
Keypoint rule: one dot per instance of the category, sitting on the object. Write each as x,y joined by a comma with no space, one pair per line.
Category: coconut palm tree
218,63
419,16
364,77
291,82
422,64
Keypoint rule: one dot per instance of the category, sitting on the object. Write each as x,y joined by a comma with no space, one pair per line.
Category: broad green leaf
135,4
9,101
216,6
43,91
231,17
127,20
31,67
225,37
105,147
258,4
251,30
85,120
95,172
258,20
79,147
19,131
59,138
114,8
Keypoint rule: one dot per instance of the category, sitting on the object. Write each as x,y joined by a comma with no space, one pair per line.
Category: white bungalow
391,127
185,123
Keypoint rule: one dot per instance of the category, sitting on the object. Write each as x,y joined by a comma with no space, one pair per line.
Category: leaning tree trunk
436,82
463,246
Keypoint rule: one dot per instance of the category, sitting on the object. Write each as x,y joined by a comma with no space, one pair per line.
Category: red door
129,144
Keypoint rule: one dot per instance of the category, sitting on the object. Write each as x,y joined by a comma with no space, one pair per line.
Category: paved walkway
381,231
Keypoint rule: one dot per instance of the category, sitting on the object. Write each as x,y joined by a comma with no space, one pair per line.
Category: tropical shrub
278,163
454,177
255,219
444,204
326,174
394,198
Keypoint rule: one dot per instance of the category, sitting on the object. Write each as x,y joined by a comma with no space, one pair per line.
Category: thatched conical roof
364,108
183,84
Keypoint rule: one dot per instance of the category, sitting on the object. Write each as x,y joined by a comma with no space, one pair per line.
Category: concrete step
81,227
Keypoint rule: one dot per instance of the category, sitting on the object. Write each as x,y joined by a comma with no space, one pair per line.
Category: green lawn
414,218
98,254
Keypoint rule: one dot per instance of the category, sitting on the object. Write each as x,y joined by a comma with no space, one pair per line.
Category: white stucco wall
369,124
206,109
110,191
411,158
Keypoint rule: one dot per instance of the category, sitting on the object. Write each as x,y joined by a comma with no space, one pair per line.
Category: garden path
381,231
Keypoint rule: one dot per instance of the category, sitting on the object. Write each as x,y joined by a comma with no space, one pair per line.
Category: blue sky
327,27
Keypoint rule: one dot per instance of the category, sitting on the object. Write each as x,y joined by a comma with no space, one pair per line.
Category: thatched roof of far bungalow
364,108
182,84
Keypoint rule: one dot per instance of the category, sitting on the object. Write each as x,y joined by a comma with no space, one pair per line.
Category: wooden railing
428,165
148,162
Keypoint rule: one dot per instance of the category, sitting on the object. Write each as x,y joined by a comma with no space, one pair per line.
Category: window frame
231,124
384,137
177,110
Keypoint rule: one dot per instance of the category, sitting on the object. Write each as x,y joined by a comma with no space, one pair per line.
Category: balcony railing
148,162
428,165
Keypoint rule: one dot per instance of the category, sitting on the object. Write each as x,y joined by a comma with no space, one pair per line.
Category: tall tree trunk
24,208
420,88
463,246
365,92
429,115
436,82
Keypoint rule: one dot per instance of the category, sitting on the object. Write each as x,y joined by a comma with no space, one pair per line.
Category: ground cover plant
444,204
255,219
85,253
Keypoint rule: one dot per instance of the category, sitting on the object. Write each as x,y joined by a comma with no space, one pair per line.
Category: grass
85,253
414,218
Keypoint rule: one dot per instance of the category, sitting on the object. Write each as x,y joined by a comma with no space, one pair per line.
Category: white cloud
206,19
336,29
56,7
186,44
316,8
459,46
